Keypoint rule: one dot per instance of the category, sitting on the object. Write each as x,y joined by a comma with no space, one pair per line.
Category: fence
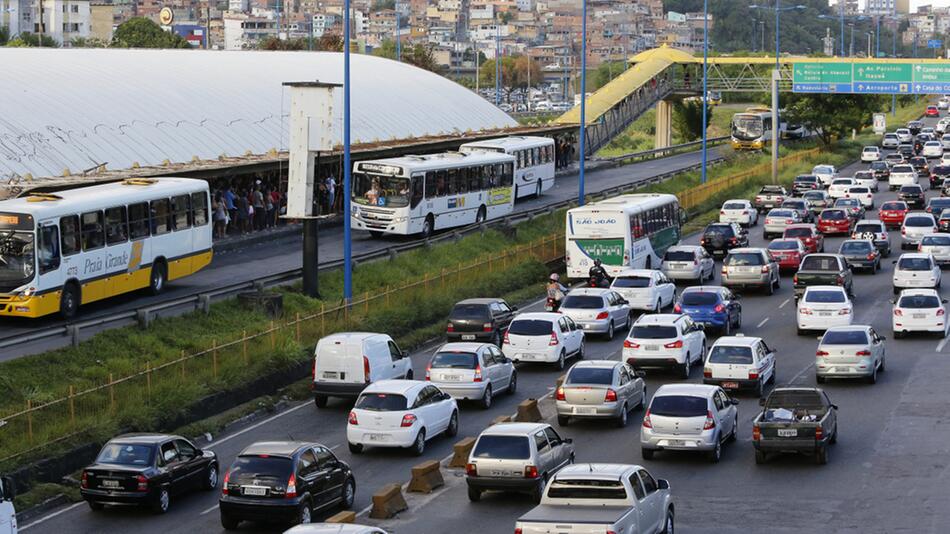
140,398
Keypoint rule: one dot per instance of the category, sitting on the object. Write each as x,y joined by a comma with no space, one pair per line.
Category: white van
345,363
7,513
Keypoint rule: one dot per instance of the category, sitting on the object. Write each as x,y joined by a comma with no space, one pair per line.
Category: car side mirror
569,441
701,327
734,402
640,374
761,401
404,354
943,301
624,301
662,483
514,308
9,489
834,406
894,262
505,360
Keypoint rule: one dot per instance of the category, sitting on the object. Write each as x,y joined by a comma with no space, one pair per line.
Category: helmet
597,263
555,277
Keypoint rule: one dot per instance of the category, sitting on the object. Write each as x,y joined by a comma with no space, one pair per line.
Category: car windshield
632,281
823,169
942,170
784,245
502,447
819,263
126,454
918,301
17,249
380,190
893,206
878,165
890,136
381,402
844,337
590,375
744,258
700,298
914,264
583,302
678,406
733,355
733,206
531,327
834,215
454,360
595,490
475,312
806,179
918,221
822,296
862,228
679,255
856,247
653,331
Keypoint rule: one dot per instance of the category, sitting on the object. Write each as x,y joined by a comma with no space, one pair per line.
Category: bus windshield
745,127
380,190
17,262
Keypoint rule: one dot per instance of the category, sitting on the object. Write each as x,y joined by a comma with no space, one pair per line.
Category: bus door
416,204
48,261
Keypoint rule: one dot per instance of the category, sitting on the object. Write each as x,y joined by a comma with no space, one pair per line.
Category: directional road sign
871,78
934,43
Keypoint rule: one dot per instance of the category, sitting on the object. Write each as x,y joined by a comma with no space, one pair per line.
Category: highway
282,255
887,473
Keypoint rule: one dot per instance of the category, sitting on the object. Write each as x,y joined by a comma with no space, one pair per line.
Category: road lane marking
50,516
762,322
209,510
784,302
257,425
942,344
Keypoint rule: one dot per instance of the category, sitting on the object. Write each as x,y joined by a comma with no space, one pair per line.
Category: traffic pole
347,245
582,147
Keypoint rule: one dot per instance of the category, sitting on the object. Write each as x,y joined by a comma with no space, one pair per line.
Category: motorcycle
595,281
552,305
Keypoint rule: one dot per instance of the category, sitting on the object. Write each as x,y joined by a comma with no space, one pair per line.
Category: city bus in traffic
752,129
421,194
534,161
67,248
624,232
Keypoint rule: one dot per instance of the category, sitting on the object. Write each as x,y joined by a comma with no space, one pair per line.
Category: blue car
714,306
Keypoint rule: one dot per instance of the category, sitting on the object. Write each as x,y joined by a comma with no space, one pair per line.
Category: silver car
600,389
516,457
597,310
855,351
689,417
334,528
472,371
778,219
688,262
750,267
938,246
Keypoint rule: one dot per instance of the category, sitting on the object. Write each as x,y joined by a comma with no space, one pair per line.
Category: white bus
421,194
534,161
60,250
628,231
752,130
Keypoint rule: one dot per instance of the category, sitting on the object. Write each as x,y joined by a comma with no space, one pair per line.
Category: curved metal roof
76,109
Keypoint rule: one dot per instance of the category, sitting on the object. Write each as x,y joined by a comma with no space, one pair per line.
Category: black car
907,151
913,195
284,482
861,253
919,164
937,205
482,320
943,223
720,238
938,176
915,127
147,470
881,170
805,182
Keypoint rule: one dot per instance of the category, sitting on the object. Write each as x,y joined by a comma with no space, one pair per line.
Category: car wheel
513,383
760,457
834,437
427,227
771,288
881,368
563,420
801,331
320,401
419,446
304,514
581,351
560,361
356,448
738,320
349,494
162,502
872,379
474,495
735,428
821,456
409,374
765,235
95,506
211,478
668,526
228,522
537,190
538,490
486,398
685,368
820,379
647,454
453,428
716,453
622,420
610,331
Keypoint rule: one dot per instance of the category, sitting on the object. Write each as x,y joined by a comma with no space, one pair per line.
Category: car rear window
723,229
454,360
856,247
893,206
803,399
903,168
793,204
733,206
503,447
914,264
936,240
678,406
863,175
381,402
733,355
250,467
126,454
744,258
822,169
844,337
632,281
819,263
919,301
814,195
939,202
861,228
771,190
807,179
781,213
469,311
653,331
918,221
797,232
911,189
942,170
531,327
879,165
584,302
590,375
783,245
834,215
824,296
587,489
859,190
679,255
842,181
700,298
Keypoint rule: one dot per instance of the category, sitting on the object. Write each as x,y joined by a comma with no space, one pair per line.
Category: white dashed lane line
762,322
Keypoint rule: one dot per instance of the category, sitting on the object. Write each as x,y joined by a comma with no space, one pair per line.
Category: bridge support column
664,124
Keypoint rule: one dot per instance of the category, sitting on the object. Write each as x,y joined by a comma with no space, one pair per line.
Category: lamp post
497,64
398,37
705,87
581,141
877,37
347,245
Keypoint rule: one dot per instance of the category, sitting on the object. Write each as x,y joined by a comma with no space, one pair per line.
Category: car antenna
291,436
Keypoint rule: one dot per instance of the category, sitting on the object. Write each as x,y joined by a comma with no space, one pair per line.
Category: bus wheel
157,280
375,233
537,191
427,226
480,217
69,301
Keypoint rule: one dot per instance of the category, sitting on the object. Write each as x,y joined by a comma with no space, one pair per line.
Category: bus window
507,176
462,181
161,217
48,248
536,158
430,184
440,186
181,206
138,220
199,208
451,182
474,178
92,234
116,226
69,230
418,184
519,159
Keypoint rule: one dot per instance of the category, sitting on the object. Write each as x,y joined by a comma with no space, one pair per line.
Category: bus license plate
787,432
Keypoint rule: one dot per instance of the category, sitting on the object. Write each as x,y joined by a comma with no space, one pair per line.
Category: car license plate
255,491
749,269
730,385
330,374
676,442
787,432
824,314
652,347
378,437
110,483
585,411
452,378
498,473
920,316
468,337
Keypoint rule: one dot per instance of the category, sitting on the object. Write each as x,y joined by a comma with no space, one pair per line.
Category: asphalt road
282,255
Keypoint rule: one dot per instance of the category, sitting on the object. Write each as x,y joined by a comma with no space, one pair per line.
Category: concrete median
426,477
462,450
501,419
387,502
345,516
528,412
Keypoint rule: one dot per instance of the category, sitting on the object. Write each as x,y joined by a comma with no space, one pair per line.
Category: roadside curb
42,508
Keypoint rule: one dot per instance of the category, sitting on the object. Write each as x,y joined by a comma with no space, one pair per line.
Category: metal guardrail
662,151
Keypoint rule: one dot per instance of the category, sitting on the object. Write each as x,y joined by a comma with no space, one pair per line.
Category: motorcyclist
598,274
556,291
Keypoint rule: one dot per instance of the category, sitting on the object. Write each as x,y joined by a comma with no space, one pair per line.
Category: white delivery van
345,363
7,513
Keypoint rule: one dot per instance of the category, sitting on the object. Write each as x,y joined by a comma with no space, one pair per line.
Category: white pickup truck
598,498
7,513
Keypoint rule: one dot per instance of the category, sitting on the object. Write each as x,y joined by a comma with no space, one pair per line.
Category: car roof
685,389
596,471
869,221
400,387
479,301
737,341
659,318
600,364
737,200
915,255
748,249
824,288
464,346
514,429
331,528
802,225
275,448
637,272
707,289
685,248
145,438
920,292
845,328
546,316
592,291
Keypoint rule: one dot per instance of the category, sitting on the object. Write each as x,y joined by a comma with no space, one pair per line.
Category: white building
484,32
880,7
526,5
63,20
238,6
243,32
322,22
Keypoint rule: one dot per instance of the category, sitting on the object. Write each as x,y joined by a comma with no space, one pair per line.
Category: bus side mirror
684,216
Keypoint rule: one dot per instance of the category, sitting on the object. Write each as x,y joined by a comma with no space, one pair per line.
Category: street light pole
894,54
705,87
497,63
877,38
398,39
347,245
581,142
841,12
775,102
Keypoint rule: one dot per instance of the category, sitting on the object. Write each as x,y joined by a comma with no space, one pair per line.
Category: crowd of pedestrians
245,206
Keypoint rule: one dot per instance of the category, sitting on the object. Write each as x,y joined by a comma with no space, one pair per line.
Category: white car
821,307
825,173
945,141
915,226
334,528
890,141
690,417
740,362
870,153
863,194
688,262
904,135
866,179
401,413
932,149
543,337
839,187
665,340
938,246
915,270
901,174
778,219
855,351
945,159
941,126
472,371
738,211
8,523
597,310
943,103
645,289
919,310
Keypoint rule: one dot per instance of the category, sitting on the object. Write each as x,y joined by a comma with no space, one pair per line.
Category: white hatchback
740,362
472,371
870,153
855,351
597,310
866,179
543,337
665,340
938,246
821,307
916,225
901,174
932,149
945,141
825,173
645,289
919,310
738,211
915,270
863,194
839,187
904,135
688,262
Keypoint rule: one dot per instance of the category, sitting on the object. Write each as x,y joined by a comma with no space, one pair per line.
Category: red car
808,234
892,213
834,221
932,111
788,253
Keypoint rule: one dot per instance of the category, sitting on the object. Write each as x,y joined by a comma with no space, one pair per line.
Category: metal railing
663,152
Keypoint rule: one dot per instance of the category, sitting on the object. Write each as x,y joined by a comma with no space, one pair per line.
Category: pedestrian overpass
662,75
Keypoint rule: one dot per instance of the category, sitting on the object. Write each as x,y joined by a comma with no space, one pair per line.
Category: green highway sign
932,72
883,72
821,73
880,77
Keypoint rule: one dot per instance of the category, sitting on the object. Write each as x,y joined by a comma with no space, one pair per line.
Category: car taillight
610,396
518,530
506,341
898,313
940,312
789,221
486,327
366,370
450,327
408,420
142,483
719,308
291,487
765,268
478,374
821,353
553,341
471,470
795,279
863,353
227,479
710,422
313,370
756,433
840,280
85,480
754,375
707,372
676,308
733,240
844,311
819,433
903,231
647,423
804,311
352,419
722,212
627,344
602,315
678,344
530,471
428,371
560,394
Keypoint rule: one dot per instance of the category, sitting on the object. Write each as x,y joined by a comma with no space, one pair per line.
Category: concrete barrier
387,502
462,450
501,419
426,477
346,516
528,411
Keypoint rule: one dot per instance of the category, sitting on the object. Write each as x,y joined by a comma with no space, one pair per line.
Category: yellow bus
752,129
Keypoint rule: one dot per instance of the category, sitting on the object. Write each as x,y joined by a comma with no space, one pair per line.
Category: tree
418,54
605,72
380,5
4,35
514,72
832,115
688,118
330,42
88,42
27,39
140,32
273,43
